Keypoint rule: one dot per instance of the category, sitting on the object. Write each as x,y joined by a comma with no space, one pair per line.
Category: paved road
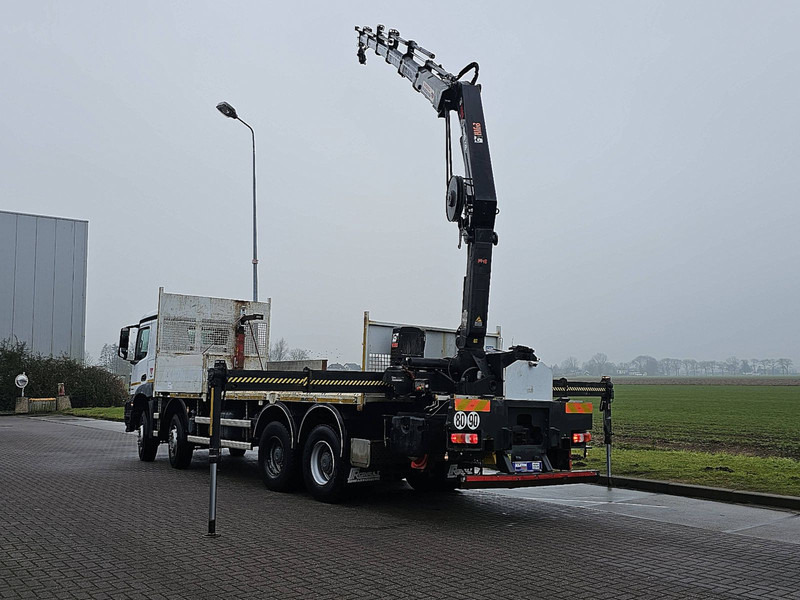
81,517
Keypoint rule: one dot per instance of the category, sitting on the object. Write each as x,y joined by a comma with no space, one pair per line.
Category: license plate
528,467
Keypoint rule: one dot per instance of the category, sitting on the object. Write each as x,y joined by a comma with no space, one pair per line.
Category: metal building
43,282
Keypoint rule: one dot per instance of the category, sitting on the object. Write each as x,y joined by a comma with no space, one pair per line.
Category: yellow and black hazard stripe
305,381
288,380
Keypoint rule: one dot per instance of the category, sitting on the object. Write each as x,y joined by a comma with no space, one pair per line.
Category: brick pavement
81,517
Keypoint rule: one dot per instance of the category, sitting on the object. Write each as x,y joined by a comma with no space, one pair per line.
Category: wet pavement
82,517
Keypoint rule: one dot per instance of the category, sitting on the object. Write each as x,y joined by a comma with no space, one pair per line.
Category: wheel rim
322,462
173,440
274,462
140,437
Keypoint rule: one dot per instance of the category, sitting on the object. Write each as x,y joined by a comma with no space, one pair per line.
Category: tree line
673,367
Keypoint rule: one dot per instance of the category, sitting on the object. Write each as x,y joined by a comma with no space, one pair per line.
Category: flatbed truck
440,408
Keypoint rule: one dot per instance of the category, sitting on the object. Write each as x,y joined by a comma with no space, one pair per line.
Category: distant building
43,283
344,367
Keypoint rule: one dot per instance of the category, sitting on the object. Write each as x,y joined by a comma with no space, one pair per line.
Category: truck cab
142,356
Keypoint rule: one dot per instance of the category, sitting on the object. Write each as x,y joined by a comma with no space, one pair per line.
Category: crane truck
442,408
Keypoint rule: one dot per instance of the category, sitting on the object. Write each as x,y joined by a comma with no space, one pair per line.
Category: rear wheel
180,450
324,470
277,460
147,444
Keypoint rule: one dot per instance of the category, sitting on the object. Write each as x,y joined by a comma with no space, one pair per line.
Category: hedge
85,385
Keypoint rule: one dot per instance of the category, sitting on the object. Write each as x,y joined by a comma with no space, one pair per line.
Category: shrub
86,386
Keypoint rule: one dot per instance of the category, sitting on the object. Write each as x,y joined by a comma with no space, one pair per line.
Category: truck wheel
236,452
148,445
324,471
433,479
180,450
277,460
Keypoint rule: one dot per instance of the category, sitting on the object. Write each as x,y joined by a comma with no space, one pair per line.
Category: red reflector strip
578,407
502,477
464,438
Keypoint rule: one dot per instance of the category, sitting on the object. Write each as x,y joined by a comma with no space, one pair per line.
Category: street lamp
230,112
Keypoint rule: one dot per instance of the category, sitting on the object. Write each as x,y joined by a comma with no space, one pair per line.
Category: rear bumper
506,480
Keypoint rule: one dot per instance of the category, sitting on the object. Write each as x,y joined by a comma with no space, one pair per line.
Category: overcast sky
645,157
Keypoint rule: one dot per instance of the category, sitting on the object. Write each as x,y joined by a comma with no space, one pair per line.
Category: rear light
581,438
464,438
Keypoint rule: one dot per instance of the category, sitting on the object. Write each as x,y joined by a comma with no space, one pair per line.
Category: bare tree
732,365
670,366
279,350
784,364
598,365
298,354
570,365
645,364
110,361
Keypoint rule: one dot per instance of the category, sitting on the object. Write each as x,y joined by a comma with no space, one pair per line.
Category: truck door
144,356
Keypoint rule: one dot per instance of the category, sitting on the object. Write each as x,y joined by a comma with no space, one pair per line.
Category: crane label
427,91
477,133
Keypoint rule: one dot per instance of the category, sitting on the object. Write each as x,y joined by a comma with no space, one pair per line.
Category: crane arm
427,77
471,200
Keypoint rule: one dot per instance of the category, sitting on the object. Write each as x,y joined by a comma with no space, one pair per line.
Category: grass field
733,436
113,413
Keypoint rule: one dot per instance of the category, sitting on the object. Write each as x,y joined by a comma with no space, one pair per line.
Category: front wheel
147,444
180,450
277,460
324,471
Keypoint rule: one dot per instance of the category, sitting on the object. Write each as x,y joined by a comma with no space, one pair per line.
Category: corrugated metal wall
43,282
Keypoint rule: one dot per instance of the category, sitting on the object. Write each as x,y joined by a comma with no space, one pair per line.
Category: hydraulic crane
471,203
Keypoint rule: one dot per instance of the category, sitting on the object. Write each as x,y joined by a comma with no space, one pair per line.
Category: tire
324,471
147,444
236,452
180,450
277,460
433,479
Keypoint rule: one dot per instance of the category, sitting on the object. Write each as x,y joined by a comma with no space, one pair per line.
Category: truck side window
142,343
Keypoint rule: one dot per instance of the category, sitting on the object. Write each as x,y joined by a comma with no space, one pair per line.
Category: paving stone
82,517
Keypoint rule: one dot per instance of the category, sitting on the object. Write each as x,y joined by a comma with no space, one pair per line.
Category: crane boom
471,200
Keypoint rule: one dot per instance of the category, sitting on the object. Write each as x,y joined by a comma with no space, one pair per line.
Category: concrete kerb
704,492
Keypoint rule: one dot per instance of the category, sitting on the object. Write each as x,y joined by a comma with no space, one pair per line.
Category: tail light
581,438
464,438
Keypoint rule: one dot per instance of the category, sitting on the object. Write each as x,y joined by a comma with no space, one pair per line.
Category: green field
733,436
112,413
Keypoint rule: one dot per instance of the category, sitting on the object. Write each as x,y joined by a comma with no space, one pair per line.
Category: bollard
605,407
217,378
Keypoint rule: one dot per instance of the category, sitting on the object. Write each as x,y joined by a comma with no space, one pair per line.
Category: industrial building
43,283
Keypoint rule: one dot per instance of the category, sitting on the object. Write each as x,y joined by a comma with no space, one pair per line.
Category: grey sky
645,157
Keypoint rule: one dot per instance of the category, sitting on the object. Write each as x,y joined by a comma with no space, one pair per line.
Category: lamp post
230,112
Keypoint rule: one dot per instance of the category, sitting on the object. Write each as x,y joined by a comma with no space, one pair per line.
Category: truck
440,408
